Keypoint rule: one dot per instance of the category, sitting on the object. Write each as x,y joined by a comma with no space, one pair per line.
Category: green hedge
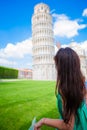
8,73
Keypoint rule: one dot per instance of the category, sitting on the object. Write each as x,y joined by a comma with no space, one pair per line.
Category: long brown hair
70,83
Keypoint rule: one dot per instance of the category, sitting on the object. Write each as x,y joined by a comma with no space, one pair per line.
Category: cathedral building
81,53
82,56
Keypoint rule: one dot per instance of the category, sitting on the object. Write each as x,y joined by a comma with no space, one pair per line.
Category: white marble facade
82,56
43,43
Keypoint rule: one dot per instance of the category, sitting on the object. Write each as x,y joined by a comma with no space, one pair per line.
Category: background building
43,43
81,53
24,73
82,56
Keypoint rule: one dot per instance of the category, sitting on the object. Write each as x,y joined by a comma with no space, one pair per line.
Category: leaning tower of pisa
43,43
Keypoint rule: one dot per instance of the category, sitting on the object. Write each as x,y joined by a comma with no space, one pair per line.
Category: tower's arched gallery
43,43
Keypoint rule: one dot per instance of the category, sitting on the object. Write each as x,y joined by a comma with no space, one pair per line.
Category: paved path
11,80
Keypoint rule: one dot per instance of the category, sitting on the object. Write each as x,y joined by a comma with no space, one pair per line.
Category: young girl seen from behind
70,92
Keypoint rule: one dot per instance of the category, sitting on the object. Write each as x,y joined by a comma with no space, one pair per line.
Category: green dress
81,117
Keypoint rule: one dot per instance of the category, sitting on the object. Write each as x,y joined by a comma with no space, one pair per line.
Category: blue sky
69,24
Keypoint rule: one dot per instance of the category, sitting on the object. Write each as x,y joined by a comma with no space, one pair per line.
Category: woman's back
70,85
81,115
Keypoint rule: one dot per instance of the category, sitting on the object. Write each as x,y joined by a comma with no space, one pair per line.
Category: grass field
21,101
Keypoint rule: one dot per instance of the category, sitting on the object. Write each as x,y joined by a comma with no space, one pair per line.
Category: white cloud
63,46
64,27
84,12
75,45
82,45
19,50
15,55
29,64
7,62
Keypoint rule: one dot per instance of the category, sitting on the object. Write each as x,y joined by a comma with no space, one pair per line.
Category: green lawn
21,101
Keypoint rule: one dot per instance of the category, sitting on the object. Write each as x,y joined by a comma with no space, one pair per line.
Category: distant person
70,92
